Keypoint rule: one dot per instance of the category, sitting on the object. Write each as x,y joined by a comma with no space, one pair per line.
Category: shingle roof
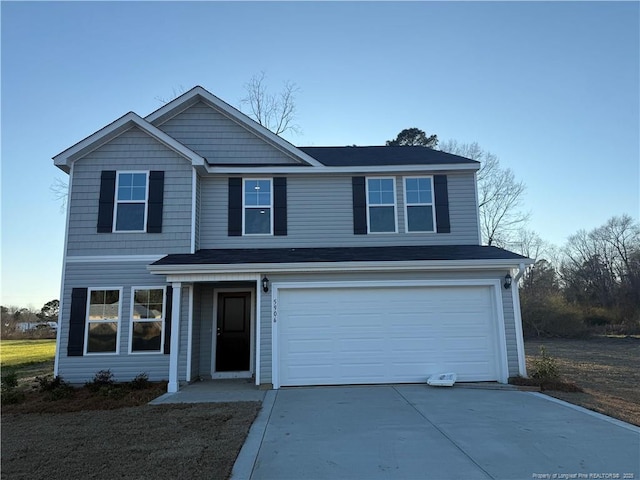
340,254
381,156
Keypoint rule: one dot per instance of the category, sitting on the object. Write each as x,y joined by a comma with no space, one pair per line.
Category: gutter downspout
515,295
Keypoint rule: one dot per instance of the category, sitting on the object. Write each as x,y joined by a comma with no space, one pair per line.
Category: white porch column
175,338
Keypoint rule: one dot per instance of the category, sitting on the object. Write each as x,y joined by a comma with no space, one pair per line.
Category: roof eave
378,266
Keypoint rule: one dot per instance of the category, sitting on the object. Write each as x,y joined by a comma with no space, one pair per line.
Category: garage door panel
385,335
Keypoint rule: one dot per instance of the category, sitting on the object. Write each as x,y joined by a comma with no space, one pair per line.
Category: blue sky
551,88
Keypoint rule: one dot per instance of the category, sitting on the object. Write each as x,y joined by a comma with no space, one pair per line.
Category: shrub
11,396
141,382
551,316
55,388
545,367
103,378
10,380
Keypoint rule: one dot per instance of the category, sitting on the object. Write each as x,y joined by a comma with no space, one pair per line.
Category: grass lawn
29,358
606,368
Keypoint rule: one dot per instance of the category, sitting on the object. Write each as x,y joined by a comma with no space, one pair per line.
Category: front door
233,344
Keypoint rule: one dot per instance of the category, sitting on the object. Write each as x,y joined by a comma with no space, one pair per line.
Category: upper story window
419,205
381,205
131,202
257,207
147,320
103,320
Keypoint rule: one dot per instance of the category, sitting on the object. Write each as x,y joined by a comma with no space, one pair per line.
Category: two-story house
201,245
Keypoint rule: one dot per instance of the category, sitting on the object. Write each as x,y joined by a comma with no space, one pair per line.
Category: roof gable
199,94
65,159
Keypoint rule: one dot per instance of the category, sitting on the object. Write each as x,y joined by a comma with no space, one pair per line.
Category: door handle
218,332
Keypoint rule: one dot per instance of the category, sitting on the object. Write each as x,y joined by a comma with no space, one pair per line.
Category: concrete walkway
214,391
420,432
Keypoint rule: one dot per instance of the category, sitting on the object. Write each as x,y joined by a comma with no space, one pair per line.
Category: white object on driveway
442,380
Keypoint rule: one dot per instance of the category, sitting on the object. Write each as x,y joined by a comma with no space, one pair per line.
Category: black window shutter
75,347
442,203
167,320
280,206
105,203
235,206
359,206
156,200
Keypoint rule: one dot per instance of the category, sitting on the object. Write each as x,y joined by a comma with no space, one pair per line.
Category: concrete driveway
421,432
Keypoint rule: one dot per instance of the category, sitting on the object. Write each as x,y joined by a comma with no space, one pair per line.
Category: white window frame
163,318
87,321
244,207
394,205
116,202
407,204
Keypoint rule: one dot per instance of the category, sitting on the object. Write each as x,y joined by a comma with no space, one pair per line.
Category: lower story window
147,319
103,319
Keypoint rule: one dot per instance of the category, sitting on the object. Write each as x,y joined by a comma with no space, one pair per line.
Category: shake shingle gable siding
338,254
382,156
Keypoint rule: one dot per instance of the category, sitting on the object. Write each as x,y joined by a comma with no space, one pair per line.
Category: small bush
10,380
141,382
103,378
54,388
11,396
545,367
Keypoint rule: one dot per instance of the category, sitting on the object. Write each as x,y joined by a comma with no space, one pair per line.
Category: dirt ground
606,368
194,441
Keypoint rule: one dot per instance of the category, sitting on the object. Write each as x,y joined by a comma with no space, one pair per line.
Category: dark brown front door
233,346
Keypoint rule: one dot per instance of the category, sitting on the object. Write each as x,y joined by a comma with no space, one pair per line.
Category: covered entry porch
214,334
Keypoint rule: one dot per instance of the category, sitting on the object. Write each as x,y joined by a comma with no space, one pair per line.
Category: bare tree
176,92
500,195
273,111
60,190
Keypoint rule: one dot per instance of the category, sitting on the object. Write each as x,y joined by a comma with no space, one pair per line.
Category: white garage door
365,335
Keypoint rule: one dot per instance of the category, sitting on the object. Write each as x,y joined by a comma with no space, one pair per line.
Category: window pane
102,337
132,186
147,336
382,219
413,196
411,184
104,304
264,186
420,219
257,220
130,217
375,198
147,304
257,192
387,197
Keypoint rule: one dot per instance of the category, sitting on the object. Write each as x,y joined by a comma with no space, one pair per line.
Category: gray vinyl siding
133,150
206,331
198,210
196,332
221,140
124,366
266,306
320,214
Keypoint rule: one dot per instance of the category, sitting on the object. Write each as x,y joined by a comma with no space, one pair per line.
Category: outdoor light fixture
507,281
265,284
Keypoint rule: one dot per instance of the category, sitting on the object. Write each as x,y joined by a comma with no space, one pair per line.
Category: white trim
214,272
87,321
502,367
395,204
407,205
198,93
214,333
145,202
387,169
517,318
258,322
162,319
194,182
113,258
65,159
244,207
56,361
173,384
189,332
